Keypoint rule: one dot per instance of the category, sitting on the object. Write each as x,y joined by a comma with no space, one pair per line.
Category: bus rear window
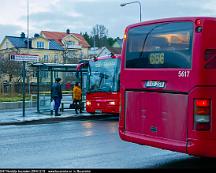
163,45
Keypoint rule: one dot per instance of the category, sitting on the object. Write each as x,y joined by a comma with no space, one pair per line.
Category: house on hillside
75,46
115,49
48,50
109,50
93,52
118,43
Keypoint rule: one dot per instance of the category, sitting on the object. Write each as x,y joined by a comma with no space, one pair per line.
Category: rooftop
58,36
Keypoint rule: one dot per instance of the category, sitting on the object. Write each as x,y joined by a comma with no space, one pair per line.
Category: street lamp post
124,4
24,63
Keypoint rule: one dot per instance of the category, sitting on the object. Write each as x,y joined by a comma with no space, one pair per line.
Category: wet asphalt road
84,144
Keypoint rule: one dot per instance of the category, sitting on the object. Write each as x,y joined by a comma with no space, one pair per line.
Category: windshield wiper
103,75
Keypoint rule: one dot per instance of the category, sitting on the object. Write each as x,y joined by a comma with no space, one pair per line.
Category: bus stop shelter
44,76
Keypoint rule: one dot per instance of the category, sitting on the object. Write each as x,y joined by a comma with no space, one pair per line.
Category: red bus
168,85
103,85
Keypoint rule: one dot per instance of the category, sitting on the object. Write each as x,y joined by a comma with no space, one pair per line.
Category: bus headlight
88,103
112,103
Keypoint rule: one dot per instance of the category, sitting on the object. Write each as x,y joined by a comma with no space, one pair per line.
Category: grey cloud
59,18
111,15
8,30
53,21
50,16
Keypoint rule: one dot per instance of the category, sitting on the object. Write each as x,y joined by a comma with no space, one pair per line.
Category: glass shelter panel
46,77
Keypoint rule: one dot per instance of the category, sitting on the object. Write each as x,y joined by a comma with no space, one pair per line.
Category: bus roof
86,62
108,56
170,20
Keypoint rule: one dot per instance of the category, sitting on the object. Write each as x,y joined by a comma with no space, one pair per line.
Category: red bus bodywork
165,117
103,101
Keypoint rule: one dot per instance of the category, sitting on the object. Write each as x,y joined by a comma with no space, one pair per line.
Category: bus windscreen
104,75
166,45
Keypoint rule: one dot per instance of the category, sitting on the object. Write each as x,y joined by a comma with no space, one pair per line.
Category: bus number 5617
183,73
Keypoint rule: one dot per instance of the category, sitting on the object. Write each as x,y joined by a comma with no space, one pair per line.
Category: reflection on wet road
84,144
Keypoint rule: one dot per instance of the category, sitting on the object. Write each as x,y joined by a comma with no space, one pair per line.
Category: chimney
68,31
36,35
22,35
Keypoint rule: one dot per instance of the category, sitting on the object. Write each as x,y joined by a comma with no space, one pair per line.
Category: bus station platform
15,116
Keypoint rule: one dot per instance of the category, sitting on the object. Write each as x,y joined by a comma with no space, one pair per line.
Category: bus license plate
98,111
155,84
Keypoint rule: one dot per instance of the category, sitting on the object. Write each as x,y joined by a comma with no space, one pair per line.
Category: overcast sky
83,15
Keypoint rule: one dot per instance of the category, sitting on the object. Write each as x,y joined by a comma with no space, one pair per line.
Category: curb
54,120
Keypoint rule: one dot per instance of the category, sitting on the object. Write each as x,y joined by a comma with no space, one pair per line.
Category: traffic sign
24,57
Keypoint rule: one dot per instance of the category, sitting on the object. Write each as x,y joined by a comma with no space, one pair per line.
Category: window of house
70,43
7,45
46,58
55,58
40,45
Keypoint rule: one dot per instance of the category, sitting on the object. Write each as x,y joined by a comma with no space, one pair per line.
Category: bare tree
10,72
100,31
71,56
10,68
99,34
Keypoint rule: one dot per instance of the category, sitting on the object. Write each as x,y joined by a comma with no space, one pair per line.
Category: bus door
156,76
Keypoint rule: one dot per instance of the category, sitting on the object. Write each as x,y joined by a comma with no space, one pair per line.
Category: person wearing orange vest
77,95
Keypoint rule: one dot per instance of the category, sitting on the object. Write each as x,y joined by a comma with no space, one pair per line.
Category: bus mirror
95,58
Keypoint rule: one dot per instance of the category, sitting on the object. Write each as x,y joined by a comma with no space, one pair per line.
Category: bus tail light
202,114
198,24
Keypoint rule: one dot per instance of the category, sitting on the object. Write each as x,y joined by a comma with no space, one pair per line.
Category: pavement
15,116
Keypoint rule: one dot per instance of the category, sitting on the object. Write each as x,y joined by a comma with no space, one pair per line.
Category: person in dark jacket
56,92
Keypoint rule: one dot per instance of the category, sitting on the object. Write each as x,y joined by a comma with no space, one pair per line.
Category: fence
14,89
